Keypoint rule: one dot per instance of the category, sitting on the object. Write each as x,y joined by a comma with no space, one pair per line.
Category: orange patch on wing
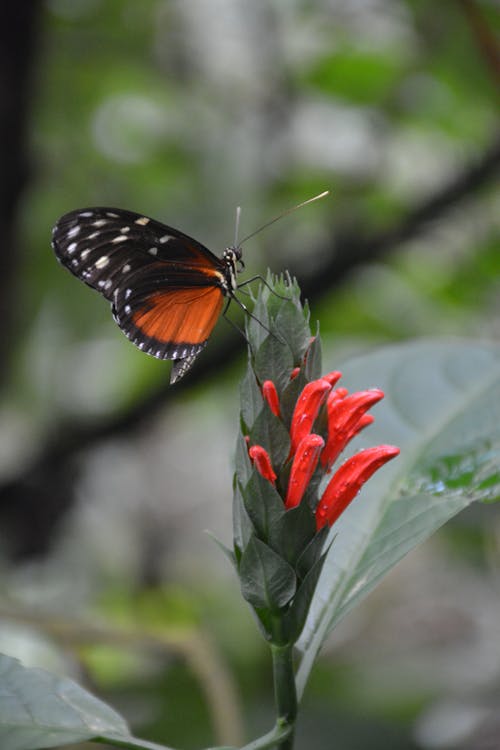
185,316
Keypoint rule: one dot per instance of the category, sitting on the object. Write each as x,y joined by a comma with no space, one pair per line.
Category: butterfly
166,289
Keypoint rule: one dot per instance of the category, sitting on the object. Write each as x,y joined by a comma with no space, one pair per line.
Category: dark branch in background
18,31
42,492
353,250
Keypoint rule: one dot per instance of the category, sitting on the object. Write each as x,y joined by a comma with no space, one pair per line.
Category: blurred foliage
183,109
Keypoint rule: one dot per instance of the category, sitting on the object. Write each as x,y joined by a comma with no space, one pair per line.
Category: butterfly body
166,289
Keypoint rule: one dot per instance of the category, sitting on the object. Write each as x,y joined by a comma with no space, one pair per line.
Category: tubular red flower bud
303,466
260,458
332,377
344,415
271,396
306,410
336,395
365,421
348,480
294,373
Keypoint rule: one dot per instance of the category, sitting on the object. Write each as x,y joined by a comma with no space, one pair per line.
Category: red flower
348,480
304,463
260,458
344,421
306,410
345,416
271,396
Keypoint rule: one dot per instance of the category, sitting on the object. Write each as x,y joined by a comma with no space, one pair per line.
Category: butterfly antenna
281,215
237,226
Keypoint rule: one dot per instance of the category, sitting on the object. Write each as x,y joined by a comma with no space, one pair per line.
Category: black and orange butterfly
166,289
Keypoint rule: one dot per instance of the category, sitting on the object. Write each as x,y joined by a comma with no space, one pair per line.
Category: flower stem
285,694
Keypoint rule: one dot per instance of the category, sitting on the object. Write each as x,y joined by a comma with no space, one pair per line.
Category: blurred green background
182,110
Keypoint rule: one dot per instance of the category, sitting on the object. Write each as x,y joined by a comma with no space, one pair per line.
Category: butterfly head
234,265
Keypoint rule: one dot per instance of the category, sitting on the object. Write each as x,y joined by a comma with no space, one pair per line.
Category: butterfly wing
166,289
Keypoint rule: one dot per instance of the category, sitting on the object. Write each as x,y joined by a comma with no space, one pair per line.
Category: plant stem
285,694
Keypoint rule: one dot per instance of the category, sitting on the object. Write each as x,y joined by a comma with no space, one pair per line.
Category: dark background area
182,110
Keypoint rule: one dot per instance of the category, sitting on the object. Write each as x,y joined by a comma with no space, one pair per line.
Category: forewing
106,247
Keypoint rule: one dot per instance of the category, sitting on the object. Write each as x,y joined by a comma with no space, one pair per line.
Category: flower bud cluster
288,492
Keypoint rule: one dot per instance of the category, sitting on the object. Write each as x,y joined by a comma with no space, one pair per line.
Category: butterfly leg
262,279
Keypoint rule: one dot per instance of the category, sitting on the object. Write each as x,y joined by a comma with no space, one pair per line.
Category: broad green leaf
297,613
251,399
40,710
442,408
312,552
263,504
267,581
292,532
274,361
270,432
293,327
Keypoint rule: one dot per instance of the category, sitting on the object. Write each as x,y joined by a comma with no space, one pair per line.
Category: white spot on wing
128,292
153,251
74,231
125,230
94,235
111,215
120,238
143,221
99,223
72,247
126,268
166,238
86,214
84,253
102,262
127,309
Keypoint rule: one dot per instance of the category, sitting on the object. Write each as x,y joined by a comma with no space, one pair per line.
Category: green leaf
243,465
267,581
242,525
251,398
291,324
256,327
442,408
263,504
40,710
225,550
291,533
297,614
312,552
269,431
290,395
274,361
313,366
